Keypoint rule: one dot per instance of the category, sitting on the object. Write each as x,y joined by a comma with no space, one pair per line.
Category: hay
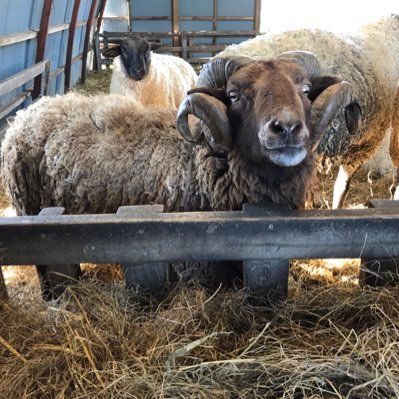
100,342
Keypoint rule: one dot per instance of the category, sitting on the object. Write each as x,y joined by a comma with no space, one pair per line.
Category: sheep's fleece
369,61
80,153
165,85
94,154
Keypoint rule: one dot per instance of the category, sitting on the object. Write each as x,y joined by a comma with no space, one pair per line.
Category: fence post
54,278
377,272
266,277
151,277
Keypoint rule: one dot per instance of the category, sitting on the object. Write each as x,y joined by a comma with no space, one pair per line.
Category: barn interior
333,334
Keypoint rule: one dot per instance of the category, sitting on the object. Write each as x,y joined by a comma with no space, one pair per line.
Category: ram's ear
219,94
154,46
320,83
353,117
112,52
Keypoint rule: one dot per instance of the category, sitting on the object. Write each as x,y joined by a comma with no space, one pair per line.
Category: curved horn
307,60
213,114
327,106
216,72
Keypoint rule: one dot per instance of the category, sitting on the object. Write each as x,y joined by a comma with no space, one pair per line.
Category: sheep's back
93,154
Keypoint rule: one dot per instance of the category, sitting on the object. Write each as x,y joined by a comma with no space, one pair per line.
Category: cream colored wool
369,61
165,85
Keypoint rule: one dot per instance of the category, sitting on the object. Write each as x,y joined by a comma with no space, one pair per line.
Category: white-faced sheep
253,143
370,62
152,79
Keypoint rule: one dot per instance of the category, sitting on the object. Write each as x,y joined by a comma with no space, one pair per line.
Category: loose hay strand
12,349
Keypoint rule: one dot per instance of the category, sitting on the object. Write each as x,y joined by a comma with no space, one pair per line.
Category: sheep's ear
154,46
112,52
353,117
320,83
219,94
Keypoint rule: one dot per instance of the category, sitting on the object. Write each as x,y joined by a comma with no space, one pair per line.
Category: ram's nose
285,128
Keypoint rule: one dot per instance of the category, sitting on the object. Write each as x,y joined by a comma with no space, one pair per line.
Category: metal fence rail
144,235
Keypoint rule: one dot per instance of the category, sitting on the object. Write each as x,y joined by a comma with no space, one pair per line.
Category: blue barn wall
19,16
157,8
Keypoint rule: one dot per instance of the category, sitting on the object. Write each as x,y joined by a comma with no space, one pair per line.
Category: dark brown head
269,111
135,53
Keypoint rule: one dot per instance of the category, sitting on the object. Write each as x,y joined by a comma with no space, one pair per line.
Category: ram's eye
306,89
233,95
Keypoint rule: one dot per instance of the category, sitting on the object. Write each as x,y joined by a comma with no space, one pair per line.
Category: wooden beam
21,78
257,16
182,17
346,233
89,27
129,16
41,44
175,22
215,20
215,15
71,36
17,38
15,102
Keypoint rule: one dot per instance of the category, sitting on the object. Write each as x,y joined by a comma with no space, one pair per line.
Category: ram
150,78
370,61
253,142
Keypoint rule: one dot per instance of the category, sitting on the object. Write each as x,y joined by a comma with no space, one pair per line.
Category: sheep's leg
394,147
341,186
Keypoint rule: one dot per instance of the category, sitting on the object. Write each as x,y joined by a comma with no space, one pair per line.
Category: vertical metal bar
71,36
129,14
175,22
89,27
100,15
41,44
257,16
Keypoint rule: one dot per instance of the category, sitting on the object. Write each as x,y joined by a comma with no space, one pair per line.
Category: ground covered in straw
329,339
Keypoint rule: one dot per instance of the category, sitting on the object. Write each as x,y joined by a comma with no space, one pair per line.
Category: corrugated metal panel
236,8
202,8
115,8
151,26
153,8
115,26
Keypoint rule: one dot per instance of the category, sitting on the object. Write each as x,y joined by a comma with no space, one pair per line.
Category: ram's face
135,57
270,112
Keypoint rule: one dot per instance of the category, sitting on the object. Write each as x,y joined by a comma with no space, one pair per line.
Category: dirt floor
329,339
